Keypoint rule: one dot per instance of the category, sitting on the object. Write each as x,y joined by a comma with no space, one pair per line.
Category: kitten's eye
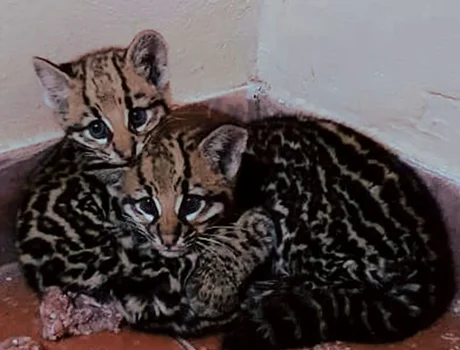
147,206
137,117
98,130
191,206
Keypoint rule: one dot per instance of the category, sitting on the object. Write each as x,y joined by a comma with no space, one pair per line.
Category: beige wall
390,67
212,48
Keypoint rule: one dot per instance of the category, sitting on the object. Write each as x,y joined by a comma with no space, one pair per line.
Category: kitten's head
108,101
182,185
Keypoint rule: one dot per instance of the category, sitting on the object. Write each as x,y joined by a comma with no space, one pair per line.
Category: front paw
211,300
259,221
260,230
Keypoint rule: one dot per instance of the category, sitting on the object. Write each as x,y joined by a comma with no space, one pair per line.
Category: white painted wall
212,48
389,67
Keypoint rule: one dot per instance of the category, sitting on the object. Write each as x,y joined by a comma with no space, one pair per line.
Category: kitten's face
181,187
109,100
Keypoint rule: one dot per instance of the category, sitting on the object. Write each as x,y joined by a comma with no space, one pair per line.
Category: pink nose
169,240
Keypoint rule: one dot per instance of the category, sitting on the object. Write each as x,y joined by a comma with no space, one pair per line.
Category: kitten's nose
169,240
170,230
124,145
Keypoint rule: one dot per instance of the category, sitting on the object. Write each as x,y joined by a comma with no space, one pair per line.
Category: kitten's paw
211,300
258,221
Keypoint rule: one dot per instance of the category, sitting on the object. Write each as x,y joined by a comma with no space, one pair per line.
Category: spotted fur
107,102
361,250
359,247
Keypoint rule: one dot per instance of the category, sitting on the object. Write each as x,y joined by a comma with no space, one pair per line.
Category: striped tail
283,314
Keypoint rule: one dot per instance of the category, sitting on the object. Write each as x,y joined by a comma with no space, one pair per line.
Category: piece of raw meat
331,346
65,315
20,343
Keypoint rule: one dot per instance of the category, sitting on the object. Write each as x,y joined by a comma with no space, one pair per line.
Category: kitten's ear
148,56
55,84
223,149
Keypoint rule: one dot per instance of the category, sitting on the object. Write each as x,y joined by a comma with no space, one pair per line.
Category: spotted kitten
177,235
107,102
359,248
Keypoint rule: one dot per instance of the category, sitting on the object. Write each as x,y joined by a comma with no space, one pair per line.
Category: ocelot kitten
153,288
359,251
107,102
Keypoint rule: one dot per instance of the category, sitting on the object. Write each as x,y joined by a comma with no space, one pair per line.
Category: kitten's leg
87,269
227,257
286,314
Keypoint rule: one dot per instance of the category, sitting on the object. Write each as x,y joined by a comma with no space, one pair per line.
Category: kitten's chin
174,252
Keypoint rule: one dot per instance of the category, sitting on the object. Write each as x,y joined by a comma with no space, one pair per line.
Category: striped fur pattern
107,102
358,247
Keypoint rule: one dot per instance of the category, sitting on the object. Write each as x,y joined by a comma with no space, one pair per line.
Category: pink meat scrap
67,315
20,343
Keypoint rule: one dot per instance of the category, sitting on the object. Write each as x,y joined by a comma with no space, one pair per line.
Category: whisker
223,239
221,245
204,248
225,227
207,249
188,239
223,236
229,229
130,225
